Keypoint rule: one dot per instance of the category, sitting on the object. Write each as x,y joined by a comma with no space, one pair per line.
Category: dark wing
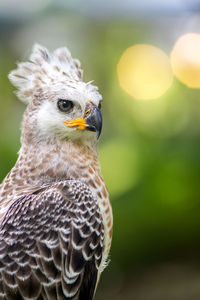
51,244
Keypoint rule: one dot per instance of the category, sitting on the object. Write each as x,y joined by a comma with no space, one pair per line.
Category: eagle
55,213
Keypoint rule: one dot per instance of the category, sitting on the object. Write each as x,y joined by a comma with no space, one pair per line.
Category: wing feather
51,244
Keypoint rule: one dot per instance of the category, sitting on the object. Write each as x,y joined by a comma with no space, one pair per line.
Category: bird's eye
99,106
65,105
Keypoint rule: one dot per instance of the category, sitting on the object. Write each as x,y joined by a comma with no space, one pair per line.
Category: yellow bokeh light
144,71
185,60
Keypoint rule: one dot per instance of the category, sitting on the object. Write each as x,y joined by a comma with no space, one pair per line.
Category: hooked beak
92,120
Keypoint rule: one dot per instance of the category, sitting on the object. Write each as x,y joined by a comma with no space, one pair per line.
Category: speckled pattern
56,217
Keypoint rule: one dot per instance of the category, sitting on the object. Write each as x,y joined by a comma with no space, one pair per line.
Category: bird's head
60,105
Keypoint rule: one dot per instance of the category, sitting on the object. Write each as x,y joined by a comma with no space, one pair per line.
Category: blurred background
145,57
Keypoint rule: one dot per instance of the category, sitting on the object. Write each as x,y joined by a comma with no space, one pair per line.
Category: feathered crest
43,68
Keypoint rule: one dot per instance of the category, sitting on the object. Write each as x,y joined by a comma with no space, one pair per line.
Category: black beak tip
94,121
98,134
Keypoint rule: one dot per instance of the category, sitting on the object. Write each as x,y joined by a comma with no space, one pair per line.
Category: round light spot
144,72
185,60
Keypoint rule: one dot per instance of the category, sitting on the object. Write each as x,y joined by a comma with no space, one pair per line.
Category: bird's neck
47,163
41,165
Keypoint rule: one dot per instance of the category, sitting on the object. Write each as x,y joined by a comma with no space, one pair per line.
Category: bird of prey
55,213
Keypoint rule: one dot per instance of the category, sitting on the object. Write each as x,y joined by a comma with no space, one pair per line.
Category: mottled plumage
55,214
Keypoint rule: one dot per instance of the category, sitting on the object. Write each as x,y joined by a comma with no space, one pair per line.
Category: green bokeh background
149,150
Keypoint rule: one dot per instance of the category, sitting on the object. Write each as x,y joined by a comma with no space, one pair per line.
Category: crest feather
42,69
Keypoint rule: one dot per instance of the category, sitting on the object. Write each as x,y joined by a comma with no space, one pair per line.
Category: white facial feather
49,120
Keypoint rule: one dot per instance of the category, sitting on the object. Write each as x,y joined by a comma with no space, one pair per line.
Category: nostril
87,112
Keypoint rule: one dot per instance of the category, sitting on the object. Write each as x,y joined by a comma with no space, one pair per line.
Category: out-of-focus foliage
149,149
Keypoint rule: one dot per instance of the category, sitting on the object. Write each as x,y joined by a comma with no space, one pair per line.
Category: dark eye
99,106
65,105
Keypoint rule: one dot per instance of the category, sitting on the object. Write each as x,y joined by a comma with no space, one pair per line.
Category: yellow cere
185,59
78,123
144,72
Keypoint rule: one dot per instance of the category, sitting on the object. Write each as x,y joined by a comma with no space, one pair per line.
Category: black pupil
65,105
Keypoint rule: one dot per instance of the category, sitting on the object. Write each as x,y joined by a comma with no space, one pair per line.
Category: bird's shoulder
64,196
